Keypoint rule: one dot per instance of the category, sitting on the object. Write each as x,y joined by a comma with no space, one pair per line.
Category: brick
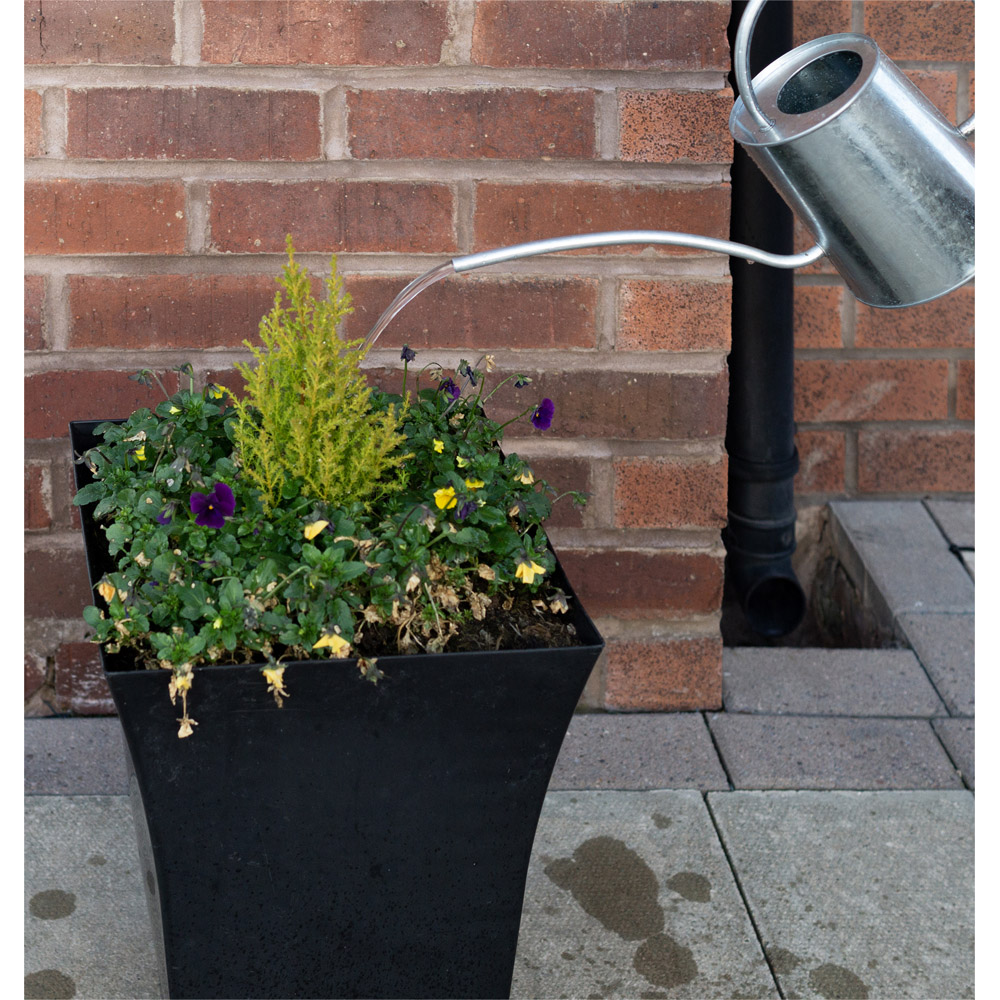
632,406
940,87
34,143
81,687
818,316
965,395
644,584
675,126
56,583
819,17
37,494
34,312
916,461
949,321
669,493
515,213
99,31
665,676
332,216
480,313
496,124
53,399
663,315
88,217
192,123
923,29
324,32
589,34
822,457
607,404
35,671
871,390
167,310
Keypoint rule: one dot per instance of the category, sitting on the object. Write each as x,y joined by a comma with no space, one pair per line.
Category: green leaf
117,536
350,570
89,493
92,616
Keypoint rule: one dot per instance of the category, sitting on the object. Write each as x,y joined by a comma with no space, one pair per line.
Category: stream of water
407,295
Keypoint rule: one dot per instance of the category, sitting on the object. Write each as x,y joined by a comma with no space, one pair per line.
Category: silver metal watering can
885,184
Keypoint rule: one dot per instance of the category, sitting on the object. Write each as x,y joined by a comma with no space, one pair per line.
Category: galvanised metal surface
881,179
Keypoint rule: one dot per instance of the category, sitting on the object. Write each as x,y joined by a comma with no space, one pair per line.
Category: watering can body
885,184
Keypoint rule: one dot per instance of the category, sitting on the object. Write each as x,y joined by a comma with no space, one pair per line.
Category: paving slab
956,519
86,926
629,894
895,552
82,756
946,647
959,739
859,682
857,894
640,751
812,752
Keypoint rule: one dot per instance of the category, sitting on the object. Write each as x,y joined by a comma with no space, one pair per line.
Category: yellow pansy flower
527,571
461,462
106,590
526,477
275,677
438,446
445,497
474,484
140,453
173,410
339,646
312,529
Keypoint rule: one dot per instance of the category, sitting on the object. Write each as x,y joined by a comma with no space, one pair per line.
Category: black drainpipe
760,431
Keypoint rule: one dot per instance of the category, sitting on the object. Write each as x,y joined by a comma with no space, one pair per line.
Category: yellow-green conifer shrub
307,415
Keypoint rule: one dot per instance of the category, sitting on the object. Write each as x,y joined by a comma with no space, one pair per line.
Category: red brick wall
171,144
884,398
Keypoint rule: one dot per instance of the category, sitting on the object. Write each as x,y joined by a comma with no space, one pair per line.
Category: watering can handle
741,63
968,127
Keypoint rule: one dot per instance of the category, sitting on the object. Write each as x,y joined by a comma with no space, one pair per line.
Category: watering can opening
819,83
883,182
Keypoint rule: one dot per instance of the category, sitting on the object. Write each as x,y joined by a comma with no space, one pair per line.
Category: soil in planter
522,626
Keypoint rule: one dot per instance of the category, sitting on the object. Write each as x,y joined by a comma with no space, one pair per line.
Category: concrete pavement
813,839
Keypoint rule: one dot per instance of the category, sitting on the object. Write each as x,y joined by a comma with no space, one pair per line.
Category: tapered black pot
361,841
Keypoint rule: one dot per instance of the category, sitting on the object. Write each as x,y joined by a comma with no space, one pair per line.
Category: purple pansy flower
542,417
212,509
466,509
407,353
450,388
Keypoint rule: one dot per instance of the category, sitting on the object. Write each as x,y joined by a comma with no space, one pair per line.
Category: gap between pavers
857,894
